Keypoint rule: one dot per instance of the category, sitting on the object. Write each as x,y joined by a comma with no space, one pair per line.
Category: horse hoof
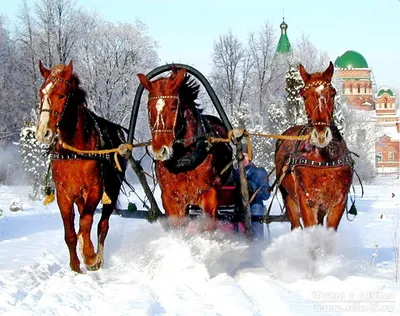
95,267
76,269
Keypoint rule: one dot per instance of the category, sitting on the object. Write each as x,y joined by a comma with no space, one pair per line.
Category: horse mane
79,94
188,91
78,97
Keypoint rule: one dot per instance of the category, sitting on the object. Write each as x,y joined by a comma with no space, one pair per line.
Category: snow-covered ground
152,272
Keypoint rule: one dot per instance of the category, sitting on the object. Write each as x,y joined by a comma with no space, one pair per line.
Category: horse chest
190,184
323,185
76,174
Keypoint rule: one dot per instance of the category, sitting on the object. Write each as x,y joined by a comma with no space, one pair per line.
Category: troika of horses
314,175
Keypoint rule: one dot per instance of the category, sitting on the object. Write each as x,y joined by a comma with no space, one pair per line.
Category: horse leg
112,187
292,212
308,212
209,206
175,208
68,215
87,206
335,215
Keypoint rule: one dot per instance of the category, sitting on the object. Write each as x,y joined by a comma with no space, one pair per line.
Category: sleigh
233,201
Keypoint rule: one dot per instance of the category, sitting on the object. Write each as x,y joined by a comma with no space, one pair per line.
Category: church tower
283,46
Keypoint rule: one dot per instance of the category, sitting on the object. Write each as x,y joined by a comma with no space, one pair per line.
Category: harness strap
337,163
51,112
283,175
73,155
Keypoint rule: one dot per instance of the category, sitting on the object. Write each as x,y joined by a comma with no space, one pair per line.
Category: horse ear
328,73
180,76
68,70
43,70
144,81
304,74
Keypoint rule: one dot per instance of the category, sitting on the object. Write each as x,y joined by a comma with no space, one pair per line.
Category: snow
152,272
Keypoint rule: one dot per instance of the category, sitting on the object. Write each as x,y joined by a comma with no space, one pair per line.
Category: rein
96,154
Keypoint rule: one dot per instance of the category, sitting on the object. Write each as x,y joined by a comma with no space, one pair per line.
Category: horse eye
62,96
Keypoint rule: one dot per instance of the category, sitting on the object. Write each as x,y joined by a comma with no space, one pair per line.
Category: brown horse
187,167
80,179
316,174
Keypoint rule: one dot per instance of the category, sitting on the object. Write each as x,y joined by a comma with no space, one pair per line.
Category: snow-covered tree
241,117
295,105
360,134
108,58
307,54
261,47
35,161
231,68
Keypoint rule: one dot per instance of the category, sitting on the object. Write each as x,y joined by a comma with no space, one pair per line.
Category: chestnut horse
80,179
315,175
187,167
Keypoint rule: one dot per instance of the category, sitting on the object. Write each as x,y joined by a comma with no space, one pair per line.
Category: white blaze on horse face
321,97
44,115
159,107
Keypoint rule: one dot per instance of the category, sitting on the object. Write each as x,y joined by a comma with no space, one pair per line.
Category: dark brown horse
79,179
188,168
315,174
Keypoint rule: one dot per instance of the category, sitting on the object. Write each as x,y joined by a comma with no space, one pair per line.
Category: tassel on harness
49,191
49,197
105,198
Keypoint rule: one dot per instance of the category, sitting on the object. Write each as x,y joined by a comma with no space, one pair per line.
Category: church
358,91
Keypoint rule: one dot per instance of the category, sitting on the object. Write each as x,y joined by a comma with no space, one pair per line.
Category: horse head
319,99
163,109
54,96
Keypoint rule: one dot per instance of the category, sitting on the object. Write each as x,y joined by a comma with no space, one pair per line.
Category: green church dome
283,46
351,59
385,90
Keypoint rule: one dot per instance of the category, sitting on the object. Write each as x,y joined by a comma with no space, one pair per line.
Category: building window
351,89
391,156
365,89
385,103
358,89
379,156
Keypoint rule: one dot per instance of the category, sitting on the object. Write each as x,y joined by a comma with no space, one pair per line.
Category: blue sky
187,29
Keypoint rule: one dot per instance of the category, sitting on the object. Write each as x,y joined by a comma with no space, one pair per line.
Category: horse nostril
48,134
164,151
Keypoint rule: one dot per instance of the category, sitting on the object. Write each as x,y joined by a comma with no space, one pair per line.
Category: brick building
357,91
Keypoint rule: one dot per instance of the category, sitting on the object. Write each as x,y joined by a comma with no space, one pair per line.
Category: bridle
159,107
322,86
50,110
